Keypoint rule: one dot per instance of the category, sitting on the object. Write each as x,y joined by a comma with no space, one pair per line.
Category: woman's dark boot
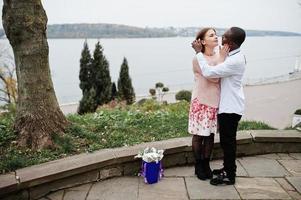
199,170
207,169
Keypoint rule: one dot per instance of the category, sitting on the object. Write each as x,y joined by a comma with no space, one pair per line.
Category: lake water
167,60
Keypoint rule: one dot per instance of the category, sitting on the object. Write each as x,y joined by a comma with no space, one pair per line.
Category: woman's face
210,39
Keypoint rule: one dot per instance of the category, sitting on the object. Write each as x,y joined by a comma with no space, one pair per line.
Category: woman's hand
197,45
223,53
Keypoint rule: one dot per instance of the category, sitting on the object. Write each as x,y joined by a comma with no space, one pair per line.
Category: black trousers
228,123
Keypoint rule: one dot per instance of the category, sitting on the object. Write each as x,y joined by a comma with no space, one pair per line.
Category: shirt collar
231,53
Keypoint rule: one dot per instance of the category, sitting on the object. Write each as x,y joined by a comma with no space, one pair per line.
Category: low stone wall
36,181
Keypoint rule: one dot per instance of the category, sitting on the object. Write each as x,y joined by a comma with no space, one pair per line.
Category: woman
204,106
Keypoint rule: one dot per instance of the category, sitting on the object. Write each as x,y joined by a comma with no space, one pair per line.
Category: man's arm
227,68
197,70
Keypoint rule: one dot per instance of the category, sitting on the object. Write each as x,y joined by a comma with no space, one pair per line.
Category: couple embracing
217,101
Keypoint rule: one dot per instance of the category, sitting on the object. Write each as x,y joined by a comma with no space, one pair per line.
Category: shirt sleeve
228,68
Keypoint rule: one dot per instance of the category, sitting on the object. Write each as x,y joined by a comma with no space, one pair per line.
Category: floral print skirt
202,119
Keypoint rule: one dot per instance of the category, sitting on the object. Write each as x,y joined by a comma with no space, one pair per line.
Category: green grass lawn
107,128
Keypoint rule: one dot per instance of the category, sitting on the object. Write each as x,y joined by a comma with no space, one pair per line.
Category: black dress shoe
217,171
223,179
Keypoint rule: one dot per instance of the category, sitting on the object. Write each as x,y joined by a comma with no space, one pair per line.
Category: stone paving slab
167,189
262,167
288,188
43,189
189,170
272,156
240,171
79,192
295,195
278,156
179,171
285,156
203,190
260,188
293,166
123,188
296,155
56,195
296,182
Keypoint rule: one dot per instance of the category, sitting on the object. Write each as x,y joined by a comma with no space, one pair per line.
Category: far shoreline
83,38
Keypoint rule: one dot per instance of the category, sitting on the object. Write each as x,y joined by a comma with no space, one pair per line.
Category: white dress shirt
231,73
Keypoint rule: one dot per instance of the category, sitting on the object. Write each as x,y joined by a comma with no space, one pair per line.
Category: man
231,106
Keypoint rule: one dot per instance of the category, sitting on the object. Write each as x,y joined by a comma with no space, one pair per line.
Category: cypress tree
85,69
125,88
85,104
101,76
114,91
88,103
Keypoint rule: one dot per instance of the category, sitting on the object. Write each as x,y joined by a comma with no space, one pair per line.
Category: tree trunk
38,113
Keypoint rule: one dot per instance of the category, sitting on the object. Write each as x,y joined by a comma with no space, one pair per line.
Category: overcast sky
282,15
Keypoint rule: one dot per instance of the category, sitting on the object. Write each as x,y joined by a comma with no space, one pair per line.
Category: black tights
202,146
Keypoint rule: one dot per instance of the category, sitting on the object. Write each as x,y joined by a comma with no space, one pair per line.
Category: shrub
298,112
159,85
141,101
183,95
152,92
88,102
150,105
64,143
165,89
6,129
254,125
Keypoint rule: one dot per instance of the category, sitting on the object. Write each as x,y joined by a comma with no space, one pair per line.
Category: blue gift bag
151,171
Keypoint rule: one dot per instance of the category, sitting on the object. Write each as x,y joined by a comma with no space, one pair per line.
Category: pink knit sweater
207,91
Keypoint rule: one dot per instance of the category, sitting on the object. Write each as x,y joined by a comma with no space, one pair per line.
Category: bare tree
8,83
38,113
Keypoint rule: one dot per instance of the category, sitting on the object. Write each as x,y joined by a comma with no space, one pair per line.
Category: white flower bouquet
151,168
150,155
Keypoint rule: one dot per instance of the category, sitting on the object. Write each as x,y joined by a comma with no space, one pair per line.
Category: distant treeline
123,31
105,31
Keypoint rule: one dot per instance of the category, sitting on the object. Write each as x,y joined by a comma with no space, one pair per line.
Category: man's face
226,37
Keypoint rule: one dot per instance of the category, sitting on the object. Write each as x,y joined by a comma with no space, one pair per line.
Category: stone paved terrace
269,167
268,176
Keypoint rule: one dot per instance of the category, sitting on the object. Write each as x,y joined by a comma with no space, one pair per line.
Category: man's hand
197,45
223,53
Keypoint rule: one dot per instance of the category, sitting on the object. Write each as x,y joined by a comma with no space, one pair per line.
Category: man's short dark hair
238,35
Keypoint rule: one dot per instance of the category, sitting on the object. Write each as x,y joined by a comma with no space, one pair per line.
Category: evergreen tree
85,69
114,91
88,103
125,88
101,76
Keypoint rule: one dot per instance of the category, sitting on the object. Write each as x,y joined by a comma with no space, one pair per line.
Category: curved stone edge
36,181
